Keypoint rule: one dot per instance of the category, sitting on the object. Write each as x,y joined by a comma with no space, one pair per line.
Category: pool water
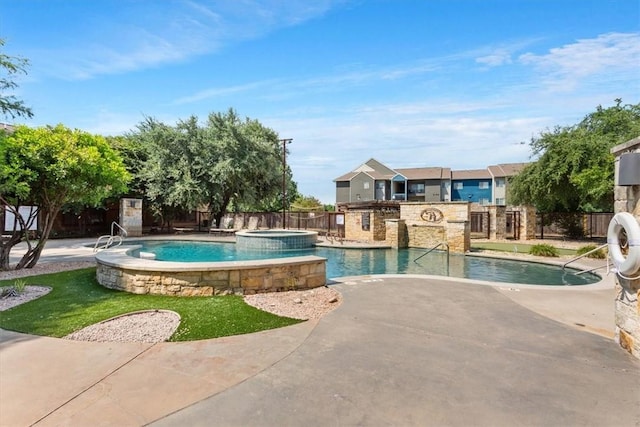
357,262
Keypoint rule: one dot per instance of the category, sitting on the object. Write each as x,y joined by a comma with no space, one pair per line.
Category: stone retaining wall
243,278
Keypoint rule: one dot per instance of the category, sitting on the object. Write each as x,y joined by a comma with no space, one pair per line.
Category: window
484,201
366,185
483,185
366,224
500,182
457,186
500,201
417,188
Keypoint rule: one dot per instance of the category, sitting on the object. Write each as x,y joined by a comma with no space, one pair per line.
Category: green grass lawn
512,247
77,300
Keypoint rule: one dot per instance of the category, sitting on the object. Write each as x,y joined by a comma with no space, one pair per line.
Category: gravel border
159,325
149,326
29,293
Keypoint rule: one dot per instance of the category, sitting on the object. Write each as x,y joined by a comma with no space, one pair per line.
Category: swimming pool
356,262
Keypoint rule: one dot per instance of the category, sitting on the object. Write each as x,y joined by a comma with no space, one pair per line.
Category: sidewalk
400,350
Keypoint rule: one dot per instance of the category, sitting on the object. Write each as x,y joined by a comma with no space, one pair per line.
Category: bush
13,291
544,250
599,254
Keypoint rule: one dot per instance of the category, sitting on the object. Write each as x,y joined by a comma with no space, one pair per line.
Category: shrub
599,254
544,250
19,285
13,291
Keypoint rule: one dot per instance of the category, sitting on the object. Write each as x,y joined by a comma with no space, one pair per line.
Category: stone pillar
458,236
131,216
627,310
527,223
497,222
396,235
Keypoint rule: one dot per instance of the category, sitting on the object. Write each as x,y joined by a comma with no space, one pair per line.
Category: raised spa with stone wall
118,270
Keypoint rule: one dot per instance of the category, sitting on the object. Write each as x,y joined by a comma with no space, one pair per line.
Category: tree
49,167
306,203
249,164
10,106
574,170
228,161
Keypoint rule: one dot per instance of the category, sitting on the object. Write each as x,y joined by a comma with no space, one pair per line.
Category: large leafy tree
574,170
227,161
10,66
49,167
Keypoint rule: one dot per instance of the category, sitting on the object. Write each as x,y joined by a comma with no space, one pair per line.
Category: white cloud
448,134
145,35
565,67
223,91
496,58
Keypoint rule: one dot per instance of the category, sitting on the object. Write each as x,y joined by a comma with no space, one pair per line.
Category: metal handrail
111,237
445,244
433,249
119,227
608,264
584,255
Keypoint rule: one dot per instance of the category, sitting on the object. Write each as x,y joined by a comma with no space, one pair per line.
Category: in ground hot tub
275,240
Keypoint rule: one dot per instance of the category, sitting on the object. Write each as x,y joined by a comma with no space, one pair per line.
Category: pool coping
120,257
606,281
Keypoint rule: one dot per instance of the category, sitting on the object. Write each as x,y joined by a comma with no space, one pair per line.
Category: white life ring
630,264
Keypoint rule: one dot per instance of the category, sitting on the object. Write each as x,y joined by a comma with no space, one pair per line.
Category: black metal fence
593,225
479,225
558,225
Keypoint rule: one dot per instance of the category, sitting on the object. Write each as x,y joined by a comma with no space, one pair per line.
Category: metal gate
512,228
480,225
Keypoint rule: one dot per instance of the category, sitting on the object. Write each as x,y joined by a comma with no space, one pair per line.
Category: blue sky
452,83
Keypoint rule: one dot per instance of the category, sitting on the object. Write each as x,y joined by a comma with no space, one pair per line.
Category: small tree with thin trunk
49,167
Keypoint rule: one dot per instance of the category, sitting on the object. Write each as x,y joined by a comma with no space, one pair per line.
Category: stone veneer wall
497,222
241,280
527,221
397,235
377,228
453,228
131,216
627,310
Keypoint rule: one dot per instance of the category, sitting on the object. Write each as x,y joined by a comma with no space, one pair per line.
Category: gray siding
362,188
432,190
343,190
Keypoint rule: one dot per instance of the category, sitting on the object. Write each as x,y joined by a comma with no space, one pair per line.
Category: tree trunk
6,246
218,215
30,259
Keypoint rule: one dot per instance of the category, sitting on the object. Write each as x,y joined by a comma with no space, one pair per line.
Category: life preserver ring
631,263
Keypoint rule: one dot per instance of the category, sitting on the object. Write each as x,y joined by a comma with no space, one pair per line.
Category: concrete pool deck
399,351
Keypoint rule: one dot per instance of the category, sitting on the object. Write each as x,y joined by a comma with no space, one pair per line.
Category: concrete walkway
399,351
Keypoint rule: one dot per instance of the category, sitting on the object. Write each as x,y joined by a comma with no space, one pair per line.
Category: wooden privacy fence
320,221
593,225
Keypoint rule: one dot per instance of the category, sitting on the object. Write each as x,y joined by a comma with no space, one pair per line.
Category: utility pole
284,180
